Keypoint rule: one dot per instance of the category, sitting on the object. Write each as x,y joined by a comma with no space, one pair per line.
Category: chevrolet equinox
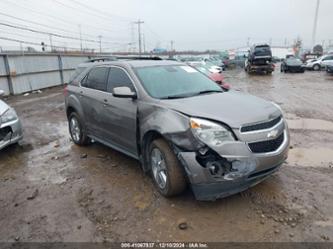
181,126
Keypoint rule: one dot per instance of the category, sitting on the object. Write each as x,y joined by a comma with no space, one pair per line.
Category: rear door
92,91
120,114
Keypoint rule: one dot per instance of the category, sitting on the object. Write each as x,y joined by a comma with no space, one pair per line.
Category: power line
45,33
32,43
57,18
53,34
36,23
90,12
97,10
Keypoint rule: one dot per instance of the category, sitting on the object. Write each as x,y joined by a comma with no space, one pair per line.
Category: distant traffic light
43,46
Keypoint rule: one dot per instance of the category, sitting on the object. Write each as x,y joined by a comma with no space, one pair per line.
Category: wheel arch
147,139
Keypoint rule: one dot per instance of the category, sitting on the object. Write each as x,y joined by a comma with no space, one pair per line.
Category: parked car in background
217,77
210,66
292,65
10,125
216,62
329,67
179,124
320,63
259,60
310,56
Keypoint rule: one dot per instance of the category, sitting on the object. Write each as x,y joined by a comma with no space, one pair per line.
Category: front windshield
175,81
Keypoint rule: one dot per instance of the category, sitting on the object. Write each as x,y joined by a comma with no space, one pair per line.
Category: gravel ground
52,190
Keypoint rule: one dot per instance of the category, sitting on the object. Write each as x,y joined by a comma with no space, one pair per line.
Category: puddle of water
310,124
327,223
311,157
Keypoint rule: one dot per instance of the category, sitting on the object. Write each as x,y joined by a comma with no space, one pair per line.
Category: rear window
97,78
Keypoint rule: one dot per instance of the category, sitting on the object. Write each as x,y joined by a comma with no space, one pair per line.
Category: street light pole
100,43
139,22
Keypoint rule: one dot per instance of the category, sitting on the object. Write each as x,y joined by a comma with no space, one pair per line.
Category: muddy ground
53,190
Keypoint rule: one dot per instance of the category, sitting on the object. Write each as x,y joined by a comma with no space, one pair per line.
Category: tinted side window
77,72
117,78
97,78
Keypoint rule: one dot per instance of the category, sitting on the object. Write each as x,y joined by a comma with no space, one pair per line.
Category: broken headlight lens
209,132
8,116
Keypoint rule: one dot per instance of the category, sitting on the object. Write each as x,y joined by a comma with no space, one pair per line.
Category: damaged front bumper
241,168
10,133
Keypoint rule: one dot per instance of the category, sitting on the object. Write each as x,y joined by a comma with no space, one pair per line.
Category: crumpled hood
3,107
232,108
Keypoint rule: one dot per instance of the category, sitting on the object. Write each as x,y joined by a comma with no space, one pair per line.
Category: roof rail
101,59
155,58
115,58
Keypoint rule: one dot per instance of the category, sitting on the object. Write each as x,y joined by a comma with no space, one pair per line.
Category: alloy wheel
75,130
158,166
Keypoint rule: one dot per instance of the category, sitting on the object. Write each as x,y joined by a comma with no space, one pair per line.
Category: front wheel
76,130
316,67
166,170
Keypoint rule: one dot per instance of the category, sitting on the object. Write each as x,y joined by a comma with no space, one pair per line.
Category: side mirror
123,92
2,92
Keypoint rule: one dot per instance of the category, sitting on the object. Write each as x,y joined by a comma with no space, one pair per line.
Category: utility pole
171,45
144,43
315,24
139,22
100,43
51,44
80,37
132,44
248,42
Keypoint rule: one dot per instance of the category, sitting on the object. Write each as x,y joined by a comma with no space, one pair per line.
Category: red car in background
217,77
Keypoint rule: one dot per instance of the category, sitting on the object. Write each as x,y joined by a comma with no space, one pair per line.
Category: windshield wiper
178,96
209,91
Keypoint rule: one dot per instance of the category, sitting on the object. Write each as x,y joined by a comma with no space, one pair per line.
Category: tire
76,130
316,67
169,167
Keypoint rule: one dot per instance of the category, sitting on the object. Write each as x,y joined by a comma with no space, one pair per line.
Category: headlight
8,116
209,132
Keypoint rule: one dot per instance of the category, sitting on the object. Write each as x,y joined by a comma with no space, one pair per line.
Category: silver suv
181,126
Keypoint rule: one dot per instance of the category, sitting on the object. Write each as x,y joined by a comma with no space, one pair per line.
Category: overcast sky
192,24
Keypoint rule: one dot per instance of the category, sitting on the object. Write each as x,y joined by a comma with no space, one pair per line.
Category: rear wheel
166,170
76,130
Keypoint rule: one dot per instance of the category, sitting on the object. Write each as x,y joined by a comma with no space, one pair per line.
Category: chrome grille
261,126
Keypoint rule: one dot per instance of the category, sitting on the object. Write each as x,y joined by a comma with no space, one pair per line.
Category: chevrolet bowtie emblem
272,134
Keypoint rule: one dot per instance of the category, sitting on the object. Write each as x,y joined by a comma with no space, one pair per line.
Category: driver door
120,114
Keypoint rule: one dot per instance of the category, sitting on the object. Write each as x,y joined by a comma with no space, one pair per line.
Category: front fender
172,125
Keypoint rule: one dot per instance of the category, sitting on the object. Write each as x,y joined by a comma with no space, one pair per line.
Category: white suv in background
319,63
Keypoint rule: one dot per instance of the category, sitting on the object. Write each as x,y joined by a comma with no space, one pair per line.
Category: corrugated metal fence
24,73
